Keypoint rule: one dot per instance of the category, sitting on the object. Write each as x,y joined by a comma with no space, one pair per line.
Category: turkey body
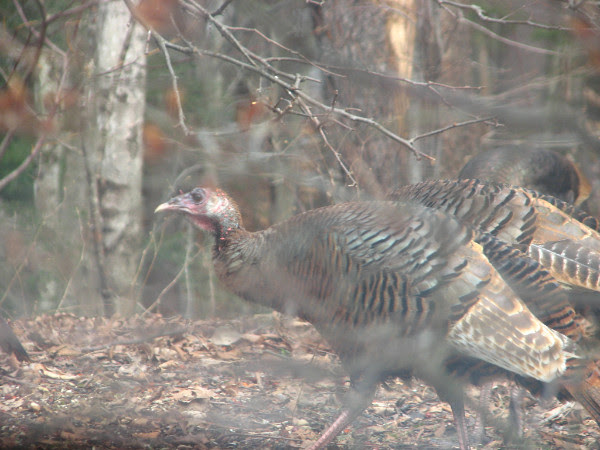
367,278
555,179
544,233
538,169
394,287
545,228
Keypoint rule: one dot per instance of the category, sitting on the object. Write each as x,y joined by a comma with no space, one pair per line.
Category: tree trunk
60,189
115,153
416,39
88,193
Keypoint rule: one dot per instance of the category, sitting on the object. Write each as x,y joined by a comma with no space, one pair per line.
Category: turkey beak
175,204
163,207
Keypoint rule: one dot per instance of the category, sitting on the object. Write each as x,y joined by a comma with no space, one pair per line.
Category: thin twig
189,246
135,341
76,267
223,30
510,42
449,127
166,289
70,12
25,164
151,244
316,122
161,43
22,264
6,141
301,57
221,8
41,36
251,56
483,16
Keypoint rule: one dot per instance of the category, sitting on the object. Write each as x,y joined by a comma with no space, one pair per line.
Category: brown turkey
560,182
542,170
543,227
10,342
557,179
562,239
397,288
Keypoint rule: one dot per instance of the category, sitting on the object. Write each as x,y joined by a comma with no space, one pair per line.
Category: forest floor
259,382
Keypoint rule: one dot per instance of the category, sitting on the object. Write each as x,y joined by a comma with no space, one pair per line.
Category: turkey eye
197,195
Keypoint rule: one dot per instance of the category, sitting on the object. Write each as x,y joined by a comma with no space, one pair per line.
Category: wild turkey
10,342
549,230
396,289
542,170
548,173
538,225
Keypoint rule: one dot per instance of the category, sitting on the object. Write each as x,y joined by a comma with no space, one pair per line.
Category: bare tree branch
450,127
172,283
222,8
484,17
223,30
319,126
71,11
6,142
26,162
274,75
300,56
161,43
310,100
519,45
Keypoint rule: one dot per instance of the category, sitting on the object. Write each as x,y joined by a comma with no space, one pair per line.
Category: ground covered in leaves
259,382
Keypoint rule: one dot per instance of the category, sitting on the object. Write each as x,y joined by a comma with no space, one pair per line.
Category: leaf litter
263,381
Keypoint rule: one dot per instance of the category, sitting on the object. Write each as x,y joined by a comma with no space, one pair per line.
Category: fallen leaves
53,373
157,382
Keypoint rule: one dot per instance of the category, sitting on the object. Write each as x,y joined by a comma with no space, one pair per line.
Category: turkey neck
237,256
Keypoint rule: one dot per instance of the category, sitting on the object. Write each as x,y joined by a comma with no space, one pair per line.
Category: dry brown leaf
140,422
149,435
34,406
64,350
193,394
54,374
181,352
231,355
168,364
440,431
252,338
225,335
67,435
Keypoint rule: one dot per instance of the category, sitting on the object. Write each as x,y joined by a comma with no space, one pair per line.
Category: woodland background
107,108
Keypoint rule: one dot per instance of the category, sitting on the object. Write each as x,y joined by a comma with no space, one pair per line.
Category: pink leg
484,400
516,412
358,402
345,417
458,411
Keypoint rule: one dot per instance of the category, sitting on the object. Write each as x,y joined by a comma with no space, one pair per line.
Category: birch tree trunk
115,153
88,193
